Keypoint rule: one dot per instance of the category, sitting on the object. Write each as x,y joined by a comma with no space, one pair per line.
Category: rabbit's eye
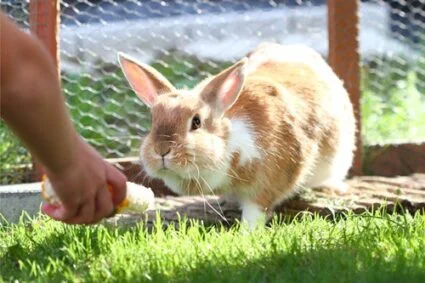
196,123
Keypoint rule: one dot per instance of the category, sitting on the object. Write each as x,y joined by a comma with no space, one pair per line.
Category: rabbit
277,120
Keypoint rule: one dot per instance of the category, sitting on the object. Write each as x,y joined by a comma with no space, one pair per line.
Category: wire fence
392,44
187,40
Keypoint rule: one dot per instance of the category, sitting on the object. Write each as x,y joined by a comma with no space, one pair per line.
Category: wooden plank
44,23
344,59
395,159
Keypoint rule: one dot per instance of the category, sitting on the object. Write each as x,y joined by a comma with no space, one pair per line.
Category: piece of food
138,199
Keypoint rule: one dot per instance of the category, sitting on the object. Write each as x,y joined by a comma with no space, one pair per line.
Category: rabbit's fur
273,122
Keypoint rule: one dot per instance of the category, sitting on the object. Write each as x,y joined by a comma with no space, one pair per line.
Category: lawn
373,247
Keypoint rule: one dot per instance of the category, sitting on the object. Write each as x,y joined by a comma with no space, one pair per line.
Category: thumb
117,181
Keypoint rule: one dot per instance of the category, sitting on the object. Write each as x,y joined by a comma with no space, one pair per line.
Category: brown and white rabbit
275,121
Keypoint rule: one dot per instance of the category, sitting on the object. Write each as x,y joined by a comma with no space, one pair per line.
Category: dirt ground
365,193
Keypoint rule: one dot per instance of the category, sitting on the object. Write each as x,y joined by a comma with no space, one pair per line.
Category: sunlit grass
367,248
396,116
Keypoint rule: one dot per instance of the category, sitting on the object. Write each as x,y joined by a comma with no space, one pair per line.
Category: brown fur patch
283,102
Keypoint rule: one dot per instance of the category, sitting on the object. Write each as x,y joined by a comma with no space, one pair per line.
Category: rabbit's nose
163,154
162,150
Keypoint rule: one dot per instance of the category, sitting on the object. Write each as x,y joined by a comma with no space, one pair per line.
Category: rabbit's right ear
146,82
222,91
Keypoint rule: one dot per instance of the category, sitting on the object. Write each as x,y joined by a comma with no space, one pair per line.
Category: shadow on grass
354,259
343,264
73,246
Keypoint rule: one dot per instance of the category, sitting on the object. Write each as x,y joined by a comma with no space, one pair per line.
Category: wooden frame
44,22
344,58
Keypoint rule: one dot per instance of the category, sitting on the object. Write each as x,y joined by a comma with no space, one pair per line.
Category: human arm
33,107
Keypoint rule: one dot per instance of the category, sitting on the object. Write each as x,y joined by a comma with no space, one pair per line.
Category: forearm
31,99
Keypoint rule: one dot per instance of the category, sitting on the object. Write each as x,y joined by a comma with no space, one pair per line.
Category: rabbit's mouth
190,179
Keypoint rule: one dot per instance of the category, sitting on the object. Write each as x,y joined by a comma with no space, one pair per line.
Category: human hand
82,186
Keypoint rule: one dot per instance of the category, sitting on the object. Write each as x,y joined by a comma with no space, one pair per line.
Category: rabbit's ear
223,90
147,82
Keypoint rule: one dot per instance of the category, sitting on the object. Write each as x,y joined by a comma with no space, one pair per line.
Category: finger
59,213
104,206
86,213
118,182
50,210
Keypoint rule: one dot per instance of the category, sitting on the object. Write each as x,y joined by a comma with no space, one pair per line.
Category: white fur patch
173,182
252,214
242,141
216,179
296,53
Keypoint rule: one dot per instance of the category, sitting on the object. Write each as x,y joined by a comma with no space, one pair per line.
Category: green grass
368,248
12,154
393,101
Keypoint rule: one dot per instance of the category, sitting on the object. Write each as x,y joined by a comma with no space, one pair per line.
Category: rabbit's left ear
223,90
146,82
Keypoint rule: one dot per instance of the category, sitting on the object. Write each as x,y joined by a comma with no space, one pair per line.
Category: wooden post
44,23
345,60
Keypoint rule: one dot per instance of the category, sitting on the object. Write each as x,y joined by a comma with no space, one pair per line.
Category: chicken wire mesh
187,40
392,44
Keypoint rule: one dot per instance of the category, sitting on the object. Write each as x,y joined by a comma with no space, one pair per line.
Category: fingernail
52,211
